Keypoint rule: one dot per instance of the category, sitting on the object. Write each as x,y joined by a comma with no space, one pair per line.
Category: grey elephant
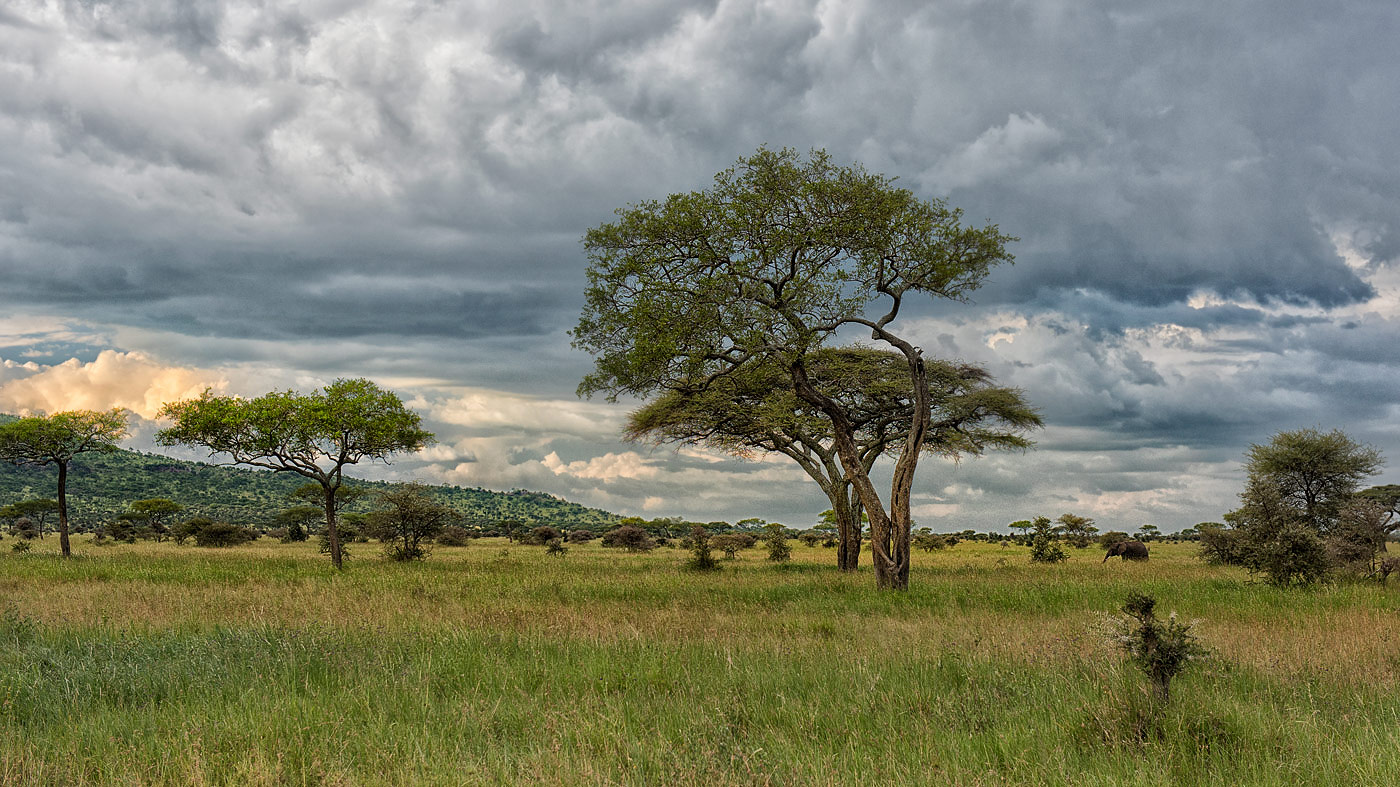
1128,550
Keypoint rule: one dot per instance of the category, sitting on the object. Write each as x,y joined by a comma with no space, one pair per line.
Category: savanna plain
492,663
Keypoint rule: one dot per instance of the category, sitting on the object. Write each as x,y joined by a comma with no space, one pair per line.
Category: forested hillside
100,486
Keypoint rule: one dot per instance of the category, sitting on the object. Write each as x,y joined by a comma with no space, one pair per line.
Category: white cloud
114,379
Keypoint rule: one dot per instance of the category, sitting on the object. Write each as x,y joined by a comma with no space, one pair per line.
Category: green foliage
754,276
103,485
407,521
1161,650
701,558
1112,537
775,538
542,535
731,544
555,547
314,435
1078,530
221,534
1045,547
1298,517
630,538
454,536
41,441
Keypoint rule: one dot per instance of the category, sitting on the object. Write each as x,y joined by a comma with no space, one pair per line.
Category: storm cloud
1206,196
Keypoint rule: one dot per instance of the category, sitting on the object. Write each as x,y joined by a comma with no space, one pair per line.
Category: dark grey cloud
1207,196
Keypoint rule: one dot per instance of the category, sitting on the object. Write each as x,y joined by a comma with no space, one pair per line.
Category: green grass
153,664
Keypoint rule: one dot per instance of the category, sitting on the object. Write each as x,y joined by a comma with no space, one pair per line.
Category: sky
260,196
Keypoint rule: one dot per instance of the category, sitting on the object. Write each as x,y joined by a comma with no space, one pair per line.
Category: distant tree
298,520
153,516
37,511
407,520
778,258
454,536
1148,533
1388,498
39,441
221,534
1078,530
1112,537
1023,525
314,435
929,541
544,534
630,538
731,544
580,536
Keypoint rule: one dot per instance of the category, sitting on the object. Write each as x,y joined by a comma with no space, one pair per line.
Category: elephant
1128,550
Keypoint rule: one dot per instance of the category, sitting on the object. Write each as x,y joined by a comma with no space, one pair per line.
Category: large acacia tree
756,410
39,441
313,435
774,261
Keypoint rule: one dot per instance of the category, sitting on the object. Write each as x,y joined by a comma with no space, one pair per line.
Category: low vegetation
149,663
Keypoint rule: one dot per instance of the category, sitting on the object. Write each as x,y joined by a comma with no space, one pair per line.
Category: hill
101,485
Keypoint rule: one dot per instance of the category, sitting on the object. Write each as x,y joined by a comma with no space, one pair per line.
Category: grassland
155,664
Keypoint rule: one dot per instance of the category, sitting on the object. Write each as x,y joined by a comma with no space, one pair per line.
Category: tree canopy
39,441
755,409
313,435
764,268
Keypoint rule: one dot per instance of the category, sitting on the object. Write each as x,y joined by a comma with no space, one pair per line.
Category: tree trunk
63,544
332,531
848,529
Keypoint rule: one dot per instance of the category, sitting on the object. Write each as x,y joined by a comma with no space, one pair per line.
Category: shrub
808,538
409,520
581,536
1221,545
632,539
222,534
1046,550
701,559
20,546
542,535
775,536
731,543
555,546
1161,650
1294,556
929,542
454,536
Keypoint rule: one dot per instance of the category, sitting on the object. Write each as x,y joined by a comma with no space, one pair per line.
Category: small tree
153,515
40,441
701,559
731,543
555,546
775,537
1161,650
454,536
37,511
544,534
630,538
1045,548
1148,533
298,520
1078,530
221,534
314,435
408,520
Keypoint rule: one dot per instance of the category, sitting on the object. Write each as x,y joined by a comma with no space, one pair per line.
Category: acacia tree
764,268
1300,486
408,520
313,435
755,410
36,511
153,514
39,441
